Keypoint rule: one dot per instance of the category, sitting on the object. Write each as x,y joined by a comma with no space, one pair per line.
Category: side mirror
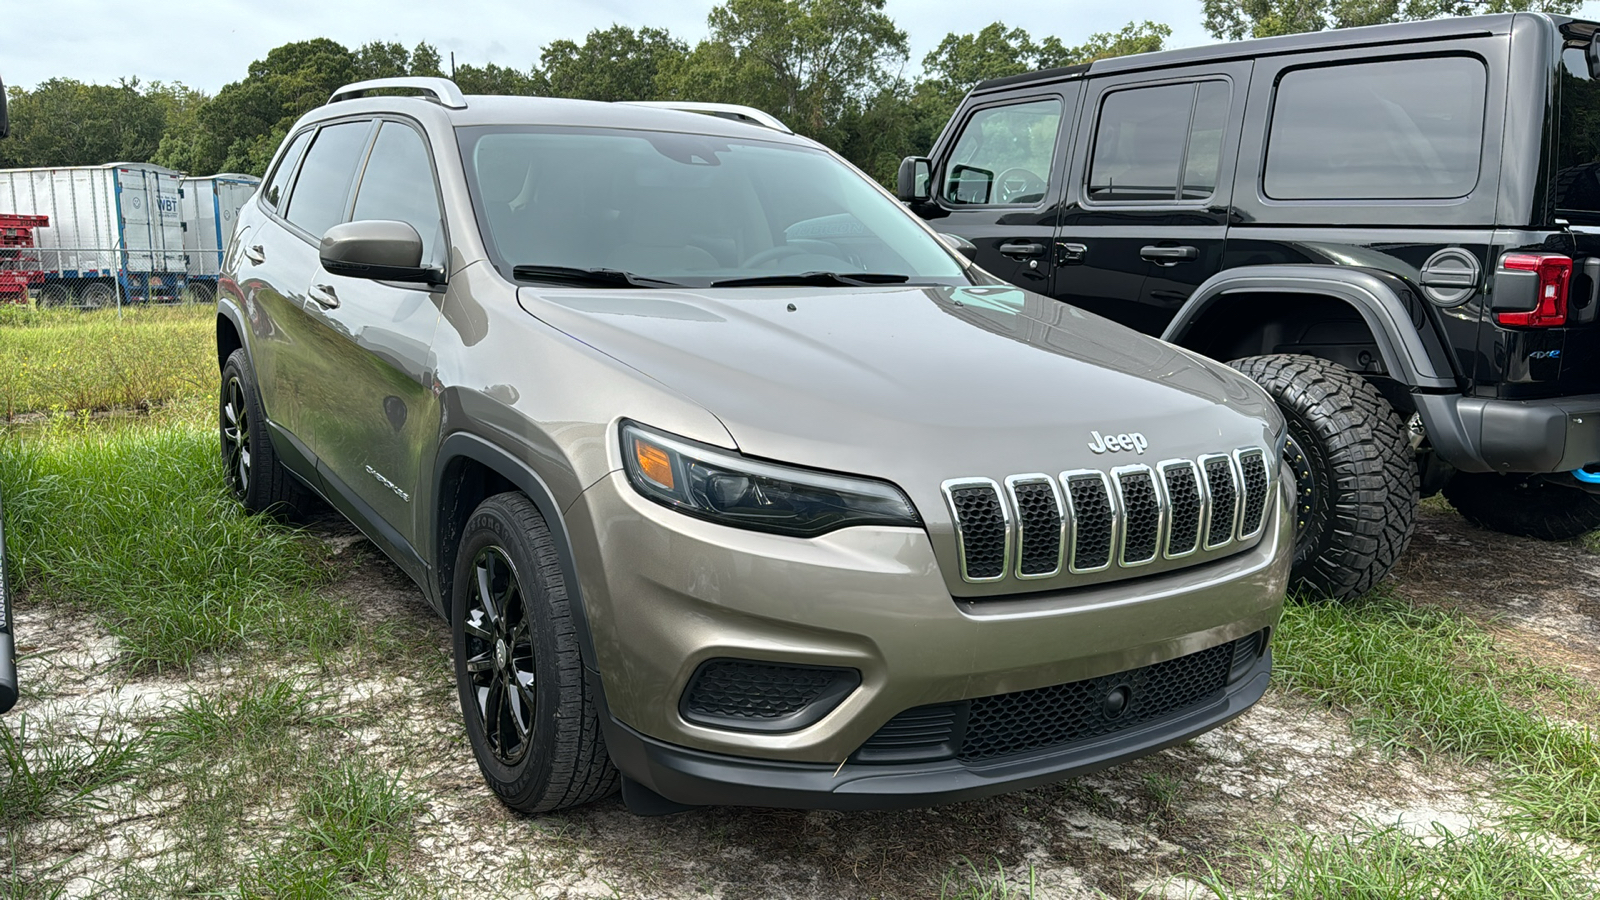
379,249
1592,55
5,120
960,245
911,183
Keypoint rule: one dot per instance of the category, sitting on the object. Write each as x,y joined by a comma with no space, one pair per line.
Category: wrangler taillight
1554,274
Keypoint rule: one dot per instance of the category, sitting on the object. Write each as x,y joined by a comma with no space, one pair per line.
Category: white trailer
208,207
114,236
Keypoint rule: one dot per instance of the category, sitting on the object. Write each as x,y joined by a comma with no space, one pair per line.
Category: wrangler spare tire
1356,484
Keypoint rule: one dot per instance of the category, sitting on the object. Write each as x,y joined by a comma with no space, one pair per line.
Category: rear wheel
533,724
1524,505
250,466
98,295
1355,472
53,296
199,293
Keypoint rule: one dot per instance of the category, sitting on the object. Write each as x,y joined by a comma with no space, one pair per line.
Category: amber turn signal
654,462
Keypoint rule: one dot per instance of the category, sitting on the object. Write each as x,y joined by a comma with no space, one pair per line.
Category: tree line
835,70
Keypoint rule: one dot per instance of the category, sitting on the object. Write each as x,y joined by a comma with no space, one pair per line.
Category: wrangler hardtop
1395,230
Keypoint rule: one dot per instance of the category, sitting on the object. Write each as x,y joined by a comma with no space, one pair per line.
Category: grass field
234,718
68,361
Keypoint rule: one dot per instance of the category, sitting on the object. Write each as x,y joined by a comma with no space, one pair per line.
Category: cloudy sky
208,43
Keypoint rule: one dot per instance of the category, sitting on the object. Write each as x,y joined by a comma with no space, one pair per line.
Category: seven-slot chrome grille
1086,520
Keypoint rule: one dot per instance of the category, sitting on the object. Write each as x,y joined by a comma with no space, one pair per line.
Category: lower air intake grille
1142,510
1183,492
982,522
1254,469
1058,716
758,696
1224,498
1092,518
1052,716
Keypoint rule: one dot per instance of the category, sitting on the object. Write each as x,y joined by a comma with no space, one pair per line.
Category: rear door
1000,180
1145,216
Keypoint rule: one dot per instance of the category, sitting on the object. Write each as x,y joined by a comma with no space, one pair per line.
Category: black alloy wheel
500,656
236,436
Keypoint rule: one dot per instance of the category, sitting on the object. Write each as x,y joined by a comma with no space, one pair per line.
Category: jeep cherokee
735,483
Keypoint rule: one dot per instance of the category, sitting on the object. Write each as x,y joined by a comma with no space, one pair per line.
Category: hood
977,381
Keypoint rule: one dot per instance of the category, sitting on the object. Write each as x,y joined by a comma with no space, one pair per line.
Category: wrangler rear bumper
1474,434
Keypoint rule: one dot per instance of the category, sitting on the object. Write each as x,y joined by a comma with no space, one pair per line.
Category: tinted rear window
1409,129
1159,144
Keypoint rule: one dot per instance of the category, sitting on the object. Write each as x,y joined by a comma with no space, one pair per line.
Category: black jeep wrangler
1395,230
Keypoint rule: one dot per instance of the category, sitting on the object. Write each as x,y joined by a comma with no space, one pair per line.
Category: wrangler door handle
1022,251
255,254
1070,254
324,295
1168,255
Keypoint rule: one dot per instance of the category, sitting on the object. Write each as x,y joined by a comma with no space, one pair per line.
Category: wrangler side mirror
911,183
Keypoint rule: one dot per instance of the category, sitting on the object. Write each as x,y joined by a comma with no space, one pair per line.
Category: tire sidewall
524,782
238,366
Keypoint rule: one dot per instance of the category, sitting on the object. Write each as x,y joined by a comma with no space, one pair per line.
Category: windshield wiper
589,277
816,279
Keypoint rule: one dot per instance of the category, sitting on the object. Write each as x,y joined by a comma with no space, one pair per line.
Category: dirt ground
1130,831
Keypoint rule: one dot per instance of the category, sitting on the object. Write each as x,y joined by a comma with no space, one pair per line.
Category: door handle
1022,251
1168,255
324,295
255,254
1070,254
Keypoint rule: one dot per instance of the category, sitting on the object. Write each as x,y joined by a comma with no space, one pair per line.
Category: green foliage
616,63
46,776
63,122
1237,19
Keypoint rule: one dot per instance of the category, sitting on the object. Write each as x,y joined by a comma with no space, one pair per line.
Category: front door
1000,181
1145,216
376,343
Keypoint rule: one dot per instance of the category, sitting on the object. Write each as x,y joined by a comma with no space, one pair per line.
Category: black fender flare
230,311
463,444
1371,295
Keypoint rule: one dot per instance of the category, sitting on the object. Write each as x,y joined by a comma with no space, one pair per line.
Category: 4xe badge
1112,443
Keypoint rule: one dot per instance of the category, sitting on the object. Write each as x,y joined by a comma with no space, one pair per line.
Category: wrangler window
1577,175
1406,129
1161,143
1004,155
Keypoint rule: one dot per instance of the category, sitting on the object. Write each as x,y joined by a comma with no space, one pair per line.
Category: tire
539,747
198,293
97,296
251,468
1355,472
1524,506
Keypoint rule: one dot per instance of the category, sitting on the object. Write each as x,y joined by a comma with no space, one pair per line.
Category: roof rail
443,91
746,114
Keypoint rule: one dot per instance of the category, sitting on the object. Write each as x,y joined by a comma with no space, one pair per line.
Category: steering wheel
1017,182
772,253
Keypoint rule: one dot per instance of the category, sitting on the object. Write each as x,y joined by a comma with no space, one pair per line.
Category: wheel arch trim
465,445
1377,302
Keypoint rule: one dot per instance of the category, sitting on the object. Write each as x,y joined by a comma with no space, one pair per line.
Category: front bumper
696,778
664,593
1476,434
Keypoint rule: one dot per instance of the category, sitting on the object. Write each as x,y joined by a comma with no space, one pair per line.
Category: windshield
685,209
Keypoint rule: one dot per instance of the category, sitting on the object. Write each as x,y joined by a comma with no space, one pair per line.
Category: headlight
727,488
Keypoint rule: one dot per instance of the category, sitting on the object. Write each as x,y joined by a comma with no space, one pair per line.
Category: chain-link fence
100,278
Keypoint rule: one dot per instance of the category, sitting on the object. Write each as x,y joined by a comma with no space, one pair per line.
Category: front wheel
531,719
1524,505
1356,485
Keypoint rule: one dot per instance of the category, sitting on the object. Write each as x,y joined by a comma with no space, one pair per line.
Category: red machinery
18,270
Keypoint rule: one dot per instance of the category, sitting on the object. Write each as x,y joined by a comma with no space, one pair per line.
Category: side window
399,184
278,182
1159,144
1577,175
1004,156
1408,129
317,202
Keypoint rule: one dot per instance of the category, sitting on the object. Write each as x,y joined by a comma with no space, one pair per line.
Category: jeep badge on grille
1115,442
